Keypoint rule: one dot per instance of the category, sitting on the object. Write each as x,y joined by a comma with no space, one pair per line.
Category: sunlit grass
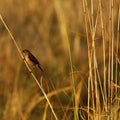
77,43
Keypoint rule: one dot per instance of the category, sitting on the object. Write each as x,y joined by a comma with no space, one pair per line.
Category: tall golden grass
77,43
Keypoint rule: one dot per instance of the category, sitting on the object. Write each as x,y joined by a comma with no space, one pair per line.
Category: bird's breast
28,60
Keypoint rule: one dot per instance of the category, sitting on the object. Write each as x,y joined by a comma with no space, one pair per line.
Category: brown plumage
31,59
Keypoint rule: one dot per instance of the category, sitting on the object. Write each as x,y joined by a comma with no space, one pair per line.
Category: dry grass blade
14,41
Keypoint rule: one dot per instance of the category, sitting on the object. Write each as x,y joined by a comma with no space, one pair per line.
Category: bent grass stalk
15,43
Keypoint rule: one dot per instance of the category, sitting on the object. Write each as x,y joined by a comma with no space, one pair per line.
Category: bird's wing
33,59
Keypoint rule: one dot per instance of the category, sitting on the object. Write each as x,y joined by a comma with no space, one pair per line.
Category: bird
31,59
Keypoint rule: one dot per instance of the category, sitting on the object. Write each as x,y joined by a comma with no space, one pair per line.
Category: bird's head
25,52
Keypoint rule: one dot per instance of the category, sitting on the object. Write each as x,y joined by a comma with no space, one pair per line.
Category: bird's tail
40,68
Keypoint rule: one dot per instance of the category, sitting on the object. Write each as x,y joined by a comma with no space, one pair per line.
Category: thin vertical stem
95,83
89,57
112,44
109,63
104,57
116,71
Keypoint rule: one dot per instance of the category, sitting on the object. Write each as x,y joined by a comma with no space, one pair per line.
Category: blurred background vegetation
41,27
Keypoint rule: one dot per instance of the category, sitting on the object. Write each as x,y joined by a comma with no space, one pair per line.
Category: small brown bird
30,59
